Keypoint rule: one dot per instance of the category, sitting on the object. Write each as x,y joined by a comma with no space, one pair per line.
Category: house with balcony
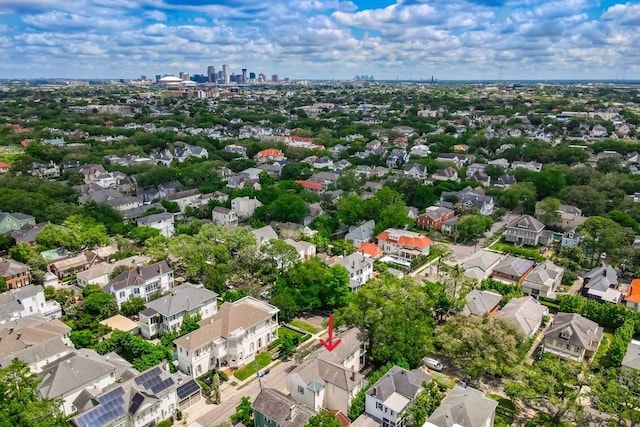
165,314
403,243
224,216
601,284
231,337
571,336
15,274
142,281
525,230
386,401
163,222
27,301
329,380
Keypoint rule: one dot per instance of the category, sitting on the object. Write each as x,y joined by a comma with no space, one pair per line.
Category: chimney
18,335
11,330
353,375
138,270
292,412
375,389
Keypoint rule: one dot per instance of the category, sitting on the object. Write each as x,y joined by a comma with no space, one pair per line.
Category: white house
244,207
166,314
464,407
360,268
224,216
305,250
141,281
26,301
231,337
162,222
99,274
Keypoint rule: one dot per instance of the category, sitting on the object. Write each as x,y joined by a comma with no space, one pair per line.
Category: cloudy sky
319,39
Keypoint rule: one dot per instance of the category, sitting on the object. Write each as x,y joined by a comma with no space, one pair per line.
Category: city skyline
322,39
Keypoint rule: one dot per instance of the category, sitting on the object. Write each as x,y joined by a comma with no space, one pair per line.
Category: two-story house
14,221
362,233
434,217
305,250
269,155
632,299
27,301
165,314
224,216
525,230
141,281
330,380
543,280
630,367
231,337
386,401
15,274
403,243
512,269
360,268
273,408
601,284
185,198
464,407
470,197
571,336
244,207
162,222
99,273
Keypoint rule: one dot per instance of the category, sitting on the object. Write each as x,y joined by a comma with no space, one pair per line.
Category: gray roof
463,407
316,373
601,278
526,222
480,302
350,340
355,261
17,215
80,368
9,267
181,299
524,313
482,260
27,234
264,234
151,219
281,408
106,268
35,339
578,330
513,266
363,231
543,276
398,380
139,275
632,356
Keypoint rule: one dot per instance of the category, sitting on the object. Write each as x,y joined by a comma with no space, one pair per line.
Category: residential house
459,159
185,198
524,230
415,170
403,243
27,234
165,314
512,269
315,210
569,217
505,181
146,399
305,250
601,284
264,235
68,377
269,155
322,163
571,238
15,274
237,149
325,178
245,206
524,314
474,168
292,230
313,186
34,340
396,158
272,408
434,217
231,337
179,152
141,281
481,264
630,367
273,169
4,167
359,234
446,174
14,221
481,303
503,163
360,268
386,401
45,170
420,150
464,407
72,264
163,222
531,166
470,197
224,216
571,336
632,299
371,250
337,149
99,273
27,301
543,280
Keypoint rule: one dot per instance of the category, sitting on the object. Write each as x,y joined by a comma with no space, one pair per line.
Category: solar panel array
110,408
136,401
153,381
187,389
522,265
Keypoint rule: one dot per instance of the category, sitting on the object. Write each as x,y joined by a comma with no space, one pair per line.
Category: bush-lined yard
262,360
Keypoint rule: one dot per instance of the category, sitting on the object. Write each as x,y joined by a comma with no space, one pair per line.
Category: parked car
433,364
263,372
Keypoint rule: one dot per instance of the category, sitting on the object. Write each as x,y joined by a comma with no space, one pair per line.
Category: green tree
605,235
132,307
215,388
323,419
522,192
142,234
548,210
87,231
610,395
89,289
82,339
288,207
281,254
54,236
426,401
101,304
3,285
244,412
21,405
550,384
287,345
170,206
472,226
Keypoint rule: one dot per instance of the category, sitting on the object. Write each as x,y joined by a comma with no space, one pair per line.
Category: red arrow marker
330,344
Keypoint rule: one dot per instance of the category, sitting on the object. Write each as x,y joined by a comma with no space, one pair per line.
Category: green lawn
505,412
526,252
262,360
301,324
284,331
602,350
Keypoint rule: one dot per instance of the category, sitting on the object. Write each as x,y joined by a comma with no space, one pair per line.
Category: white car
432,364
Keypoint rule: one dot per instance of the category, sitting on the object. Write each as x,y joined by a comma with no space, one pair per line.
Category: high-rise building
252,76
158,77
211,73
244,76
274,78
225,73
262,78
184,76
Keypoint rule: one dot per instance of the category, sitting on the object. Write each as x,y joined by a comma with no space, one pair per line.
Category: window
300,389
379,405
568,346
121,294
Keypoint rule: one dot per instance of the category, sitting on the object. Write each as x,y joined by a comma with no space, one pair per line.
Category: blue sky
319,39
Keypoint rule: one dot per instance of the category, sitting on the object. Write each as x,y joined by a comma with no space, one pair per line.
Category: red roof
270,152
4,165
311,185
408,240
633,294
370,249
301,139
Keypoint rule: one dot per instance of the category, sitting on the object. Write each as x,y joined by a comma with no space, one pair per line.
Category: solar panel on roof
163,385
136,401
187,389
110,408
